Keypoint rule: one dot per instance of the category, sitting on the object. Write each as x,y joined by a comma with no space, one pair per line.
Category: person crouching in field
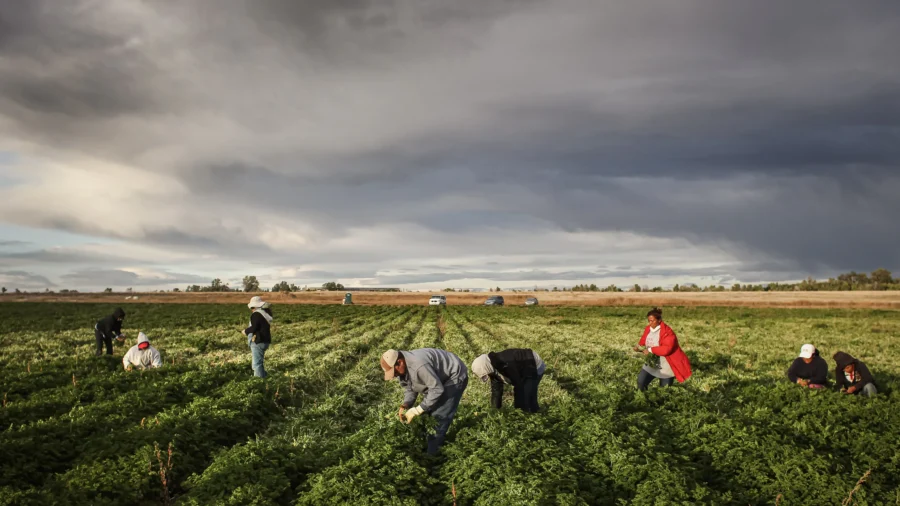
660,340
809,370
852,376
521,368
107,329
142,355
440,376
259,334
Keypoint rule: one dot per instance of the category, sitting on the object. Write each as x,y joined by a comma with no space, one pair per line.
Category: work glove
412,413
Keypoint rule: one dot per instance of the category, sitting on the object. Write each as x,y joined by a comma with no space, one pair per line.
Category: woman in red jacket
660,340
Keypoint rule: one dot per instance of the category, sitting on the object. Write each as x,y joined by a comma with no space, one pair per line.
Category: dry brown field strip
856,299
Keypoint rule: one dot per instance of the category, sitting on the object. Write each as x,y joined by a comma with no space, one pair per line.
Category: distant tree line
879,279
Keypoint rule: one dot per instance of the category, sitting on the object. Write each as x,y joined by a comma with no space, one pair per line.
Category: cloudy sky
428,144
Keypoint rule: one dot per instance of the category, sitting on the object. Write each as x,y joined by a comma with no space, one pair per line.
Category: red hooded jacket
668,347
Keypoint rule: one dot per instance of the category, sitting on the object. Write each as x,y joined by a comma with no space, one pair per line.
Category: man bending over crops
107,329
440,376
659,339
809,370
521,368
852,376
142,355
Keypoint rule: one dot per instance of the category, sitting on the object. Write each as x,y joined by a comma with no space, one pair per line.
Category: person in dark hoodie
259,334
107,329
809,370
520,367
852,376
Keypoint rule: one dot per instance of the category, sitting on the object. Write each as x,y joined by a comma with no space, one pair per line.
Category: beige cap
388,360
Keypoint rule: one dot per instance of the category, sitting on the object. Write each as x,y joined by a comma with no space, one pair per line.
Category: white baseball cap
807,351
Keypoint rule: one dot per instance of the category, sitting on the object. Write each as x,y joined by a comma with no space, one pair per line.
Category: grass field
322,429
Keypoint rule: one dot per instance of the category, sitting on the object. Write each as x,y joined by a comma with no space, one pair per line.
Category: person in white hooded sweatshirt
142,355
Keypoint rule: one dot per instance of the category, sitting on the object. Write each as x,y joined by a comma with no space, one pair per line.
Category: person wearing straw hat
259,334
142,355
809,370
440,376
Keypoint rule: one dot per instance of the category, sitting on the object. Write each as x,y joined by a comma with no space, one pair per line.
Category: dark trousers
444,413
101,340
525,395
645,378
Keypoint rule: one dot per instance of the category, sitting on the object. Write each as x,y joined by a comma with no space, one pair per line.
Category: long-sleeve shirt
259,327
110,326
428,370
860,376
816,371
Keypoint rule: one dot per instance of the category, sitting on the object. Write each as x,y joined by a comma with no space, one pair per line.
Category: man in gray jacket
440,376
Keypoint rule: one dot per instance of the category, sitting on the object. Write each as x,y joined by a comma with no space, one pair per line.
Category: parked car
531,301
437,300
494,300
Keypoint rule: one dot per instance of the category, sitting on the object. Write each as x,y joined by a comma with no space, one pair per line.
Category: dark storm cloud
767,129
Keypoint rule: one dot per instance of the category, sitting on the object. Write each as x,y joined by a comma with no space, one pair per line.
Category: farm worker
660,340
142,355
809,370
520,367
852,376
259,334
107,329
440,376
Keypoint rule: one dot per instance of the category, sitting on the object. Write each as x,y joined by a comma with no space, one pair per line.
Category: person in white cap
440,376
142,355
259,334
809,370
520,367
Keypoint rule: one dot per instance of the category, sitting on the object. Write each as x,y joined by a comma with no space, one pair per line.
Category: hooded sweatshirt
428,370
816,371
111,326
860,377
142,358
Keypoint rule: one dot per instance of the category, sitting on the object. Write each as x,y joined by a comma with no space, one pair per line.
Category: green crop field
322,429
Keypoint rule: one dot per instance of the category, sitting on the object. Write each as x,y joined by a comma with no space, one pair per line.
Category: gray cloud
472,120
24,280
120,278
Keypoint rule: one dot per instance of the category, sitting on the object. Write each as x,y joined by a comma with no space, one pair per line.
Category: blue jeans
645,378
444,413
525,396
258,351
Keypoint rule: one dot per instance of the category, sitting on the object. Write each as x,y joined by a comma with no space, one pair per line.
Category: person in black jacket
259,334
107,329
809,370
520,367
852,376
